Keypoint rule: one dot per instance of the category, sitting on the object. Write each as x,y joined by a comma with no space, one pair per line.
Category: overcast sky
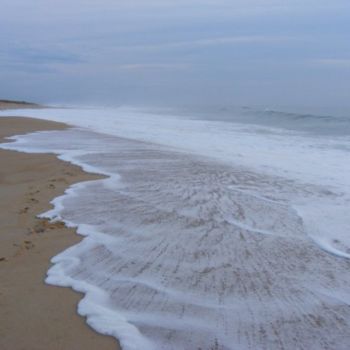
265,52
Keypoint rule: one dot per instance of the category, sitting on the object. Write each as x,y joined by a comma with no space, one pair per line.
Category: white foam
94,305
274,151
182,251
322,161
327,222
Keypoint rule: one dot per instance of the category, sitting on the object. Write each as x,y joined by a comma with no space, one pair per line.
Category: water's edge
236,239
87,307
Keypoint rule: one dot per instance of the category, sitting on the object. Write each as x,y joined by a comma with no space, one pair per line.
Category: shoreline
12,104
32,314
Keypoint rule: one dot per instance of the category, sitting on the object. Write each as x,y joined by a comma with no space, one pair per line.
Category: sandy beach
34,315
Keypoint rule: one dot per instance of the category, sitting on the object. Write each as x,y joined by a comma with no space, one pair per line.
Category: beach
174,175
35,315
201,233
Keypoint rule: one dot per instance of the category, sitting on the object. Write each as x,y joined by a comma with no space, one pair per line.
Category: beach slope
34,315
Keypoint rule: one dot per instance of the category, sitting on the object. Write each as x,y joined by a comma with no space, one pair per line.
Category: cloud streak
333,62
212,41
188,51
153,66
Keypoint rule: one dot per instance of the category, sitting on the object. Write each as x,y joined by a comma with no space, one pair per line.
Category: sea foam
192,245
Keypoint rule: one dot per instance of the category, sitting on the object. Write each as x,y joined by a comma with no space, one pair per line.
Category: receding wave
183,251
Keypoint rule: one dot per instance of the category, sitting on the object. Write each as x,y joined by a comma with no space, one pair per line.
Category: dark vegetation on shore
8,104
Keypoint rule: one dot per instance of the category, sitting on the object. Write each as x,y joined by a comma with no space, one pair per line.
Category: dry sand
33,315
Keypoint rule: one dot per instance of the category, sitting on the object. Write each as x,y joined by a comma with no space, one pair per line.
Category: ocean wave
185,251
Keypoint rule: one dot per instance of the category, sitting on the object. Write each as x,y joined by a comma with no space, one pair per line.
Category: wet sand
34,315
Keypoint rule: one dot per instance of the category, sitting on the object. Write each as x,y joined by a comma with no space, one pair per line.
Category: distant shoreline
12,104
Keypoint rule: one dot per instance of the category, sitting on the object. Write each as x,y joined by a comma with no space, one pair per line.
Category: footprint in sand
25,245
44,225
24,210
33,200
28,245
60,179
40,227
33,193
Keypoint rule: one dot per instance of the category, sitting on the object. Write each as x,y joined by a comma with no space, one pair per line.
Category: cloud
17,55
211,41
333,62
181,49
153,66
43,56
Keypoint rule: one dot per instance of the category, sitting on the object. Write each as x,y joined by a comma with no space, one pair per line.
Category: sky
227,52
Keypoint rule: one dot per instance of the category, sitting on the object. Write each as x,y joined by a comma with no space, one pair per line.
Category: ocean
227,228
